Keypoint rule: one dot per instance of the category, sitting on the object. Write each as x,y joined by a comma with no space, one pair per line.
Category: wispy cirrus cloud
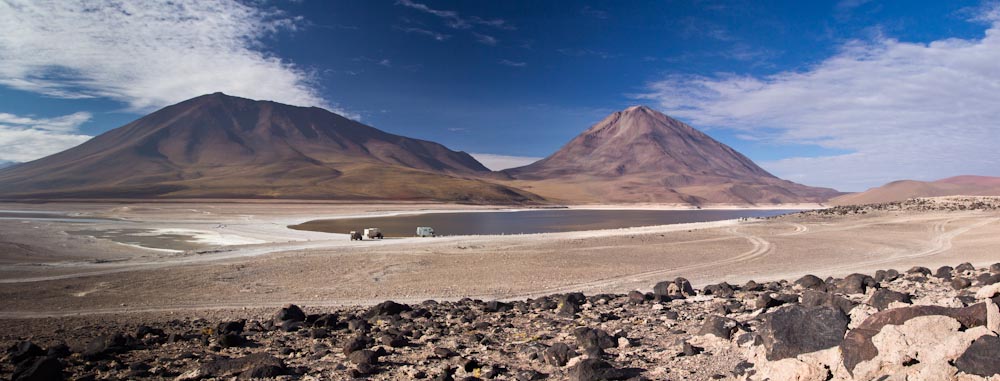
26,138
454,20
425,32
485,39
513,63
149,54
899,109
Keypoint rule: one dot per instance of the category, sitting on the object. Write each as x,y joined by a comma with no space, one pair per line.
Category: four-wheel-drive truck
425,231
373,233
355,236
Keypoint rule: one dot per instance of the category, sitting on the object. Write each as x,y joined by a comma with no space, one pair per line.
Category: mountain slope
906,189
219,146
640,155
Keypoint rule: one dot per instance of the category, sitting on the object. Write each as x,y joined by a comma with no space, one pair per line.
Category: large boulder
677,289
794,330
858,347
719,326
982,358
721,290
856,284
289,312
810,282
812,298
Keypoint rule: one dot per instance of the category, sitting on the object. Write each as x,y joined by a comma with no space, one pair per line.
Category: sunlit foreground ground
242,255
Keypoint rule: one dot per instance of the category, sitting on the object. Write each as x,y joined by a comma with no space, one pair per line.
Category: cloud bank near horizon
900,110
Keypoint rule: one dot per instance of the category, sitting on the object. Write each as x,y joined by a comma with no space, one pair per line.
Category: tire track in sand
760,247
942,242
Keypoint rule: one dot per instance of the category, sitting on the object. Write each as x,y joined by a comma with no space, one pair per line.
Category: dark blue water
531,221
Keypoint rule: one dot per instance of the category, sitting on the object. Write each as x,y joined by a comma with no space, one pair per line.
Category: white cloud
513,63
899,110
148,54
485,39
429,33
501,162
25,138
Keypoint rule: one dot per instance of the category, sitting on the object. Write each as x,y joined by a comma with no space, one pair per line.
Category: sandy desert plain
245,262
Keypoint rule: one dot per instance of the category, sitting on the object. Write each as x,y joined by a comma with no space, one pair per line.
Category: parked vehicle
373,233
425,231
355,236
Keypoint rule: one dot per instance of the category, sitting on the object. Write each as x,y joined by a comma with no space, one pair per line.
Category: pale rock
932,341
992,316
859,313
988,291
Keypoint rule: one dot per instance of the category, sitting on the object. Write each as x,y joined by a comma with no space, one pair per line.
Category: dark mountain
219,146
640,155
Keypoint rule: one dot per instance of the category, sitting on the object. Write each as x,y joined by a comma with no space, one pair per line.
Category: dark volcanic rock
960,283
558,354
356,344
811,282
856,284
227,367
677,289
719,326
598,370
919,270
496,306
812,298
593,341
290,312
943,272
38,369
981,358
23,351
883,297
794,330
722,290
636,297
363,357
387,308
965,267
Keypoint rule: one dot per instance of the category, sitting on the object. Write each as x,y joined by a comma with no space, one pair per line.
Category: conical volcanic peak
641,155
217,145
639,140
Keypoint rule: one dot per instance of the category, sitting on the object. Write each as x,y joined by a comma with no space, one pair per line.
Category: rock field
920,324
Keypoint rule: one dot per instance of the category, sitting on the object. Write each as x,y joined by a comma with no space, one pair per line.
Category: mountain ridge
899,190
221,146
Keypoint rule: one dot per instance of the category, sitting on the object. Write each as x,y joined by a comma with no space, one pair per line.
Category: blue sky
846,94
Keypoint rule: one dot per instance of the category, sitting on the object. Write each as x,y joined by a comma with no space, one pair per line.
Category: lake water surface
529,221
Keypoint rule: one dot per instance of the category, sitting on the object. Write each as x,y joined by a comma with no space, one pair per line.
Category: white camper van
373,233
425,231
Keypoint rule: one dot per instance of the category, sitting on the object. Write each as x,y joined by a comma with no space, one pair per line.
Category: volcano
220,146
641,155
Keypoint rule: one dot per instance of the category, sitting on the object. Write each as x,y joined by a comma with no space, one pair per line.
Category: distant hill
220,146
641,155
906,189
